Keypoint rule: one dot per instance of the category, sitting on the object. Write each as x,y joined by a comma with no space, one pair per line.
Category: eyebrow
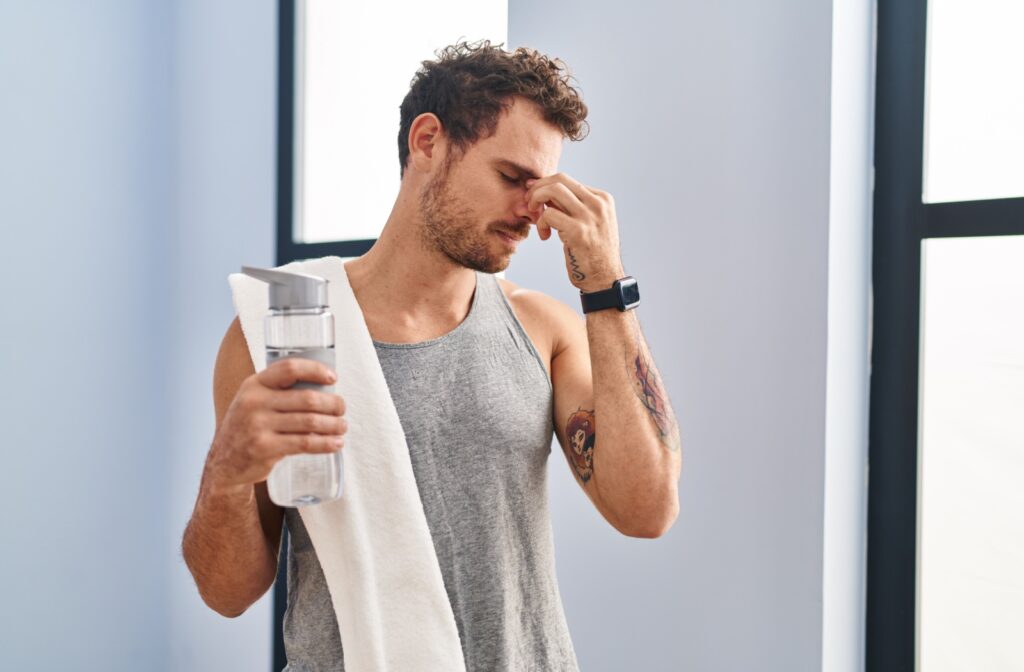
522,170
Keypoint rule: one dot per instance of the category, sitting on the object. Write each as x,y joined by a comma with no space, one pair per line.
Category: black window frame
901,223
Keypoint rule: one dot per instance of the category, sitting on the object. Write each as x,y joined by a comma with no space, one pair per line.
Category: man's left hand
585,220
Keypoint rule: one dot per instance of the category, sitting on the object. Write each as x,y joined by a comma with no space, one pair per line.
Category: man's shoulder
545,313
534,300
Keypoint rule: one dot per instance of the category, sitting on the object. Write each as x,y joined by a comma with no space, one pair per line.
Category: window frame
902,221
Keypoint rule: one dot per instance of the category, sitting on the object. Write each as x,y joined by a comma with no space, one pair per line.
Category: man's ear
427,142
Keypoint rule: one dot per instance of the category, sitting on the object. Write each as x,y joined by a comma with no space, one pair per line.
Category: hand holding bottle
267,421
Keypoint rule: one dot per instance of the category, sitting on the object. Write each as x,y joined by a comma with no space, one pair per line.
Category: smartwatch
623,294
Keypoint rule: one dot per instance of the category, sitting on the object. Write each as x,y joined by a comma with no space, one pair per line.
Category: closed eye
509,178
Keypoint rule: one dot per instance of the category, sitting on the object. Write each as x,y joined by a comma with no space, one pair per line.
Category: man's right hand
267,421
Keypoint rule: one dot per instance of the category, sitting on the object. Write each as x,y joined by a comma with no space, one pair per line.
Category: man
466,357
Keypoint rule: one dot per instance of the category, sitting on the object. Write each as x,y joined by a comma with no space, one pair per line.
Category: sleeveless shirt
476,409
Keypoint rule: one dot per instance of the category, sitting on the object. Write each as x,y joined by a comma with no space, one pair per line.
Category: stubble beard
449,227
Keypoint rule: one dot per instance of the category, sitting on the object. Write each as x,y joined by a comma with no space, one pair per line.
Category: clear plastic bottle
300,324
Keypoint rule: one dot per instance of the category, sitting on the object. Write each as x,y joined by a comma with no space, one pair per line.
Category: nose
521,209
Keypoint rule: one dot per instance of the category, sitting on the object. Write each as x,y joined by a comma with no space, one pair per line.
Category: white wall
711,127
849,300
136,172
226,184
86,207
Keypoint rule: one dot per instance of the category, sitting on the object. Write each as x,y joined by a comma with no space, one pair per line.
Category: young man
482,373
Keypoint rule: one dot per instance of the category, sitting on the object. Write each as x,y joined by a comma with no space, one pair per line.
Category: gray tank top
476,408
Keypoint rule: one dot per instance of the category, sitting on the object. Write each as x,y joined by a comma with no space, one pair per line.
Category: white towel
373,543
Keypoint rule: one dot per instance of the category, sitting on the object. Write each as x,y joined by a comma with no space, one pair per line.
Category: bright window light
974,110
971,456
354,63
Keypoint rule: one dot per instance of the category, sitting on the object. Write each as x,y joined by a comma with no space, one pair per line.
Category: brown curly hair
470,85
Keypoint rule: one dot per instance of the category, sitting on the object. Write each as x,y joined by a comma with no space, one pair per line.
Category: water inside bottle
304,479
299,480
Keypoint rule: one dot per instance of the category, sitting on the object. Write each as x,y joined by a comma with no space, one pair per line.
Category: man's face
474,209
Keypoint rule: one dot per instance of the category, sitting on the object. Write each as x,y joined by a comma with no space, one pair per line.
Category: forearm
226,550
628,452
637,454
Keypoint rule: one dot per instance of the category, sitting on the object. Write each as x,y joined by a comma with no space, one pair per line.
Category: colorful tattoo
652,395
580,431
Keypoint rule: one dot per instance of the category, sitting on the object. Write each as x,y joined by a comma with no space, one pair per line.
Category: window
948,226
971,455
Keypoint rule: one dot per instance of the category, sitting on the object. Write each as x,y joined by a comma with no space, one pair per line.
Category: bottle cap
291,290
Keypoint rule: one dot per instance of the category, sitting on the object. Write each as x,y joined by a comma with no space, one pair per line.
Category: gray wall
226,183
87,207
136,172
710,126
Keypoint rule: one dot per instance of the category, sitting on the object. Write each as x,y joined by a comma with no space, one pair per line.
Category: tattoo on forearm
652,395
577,274
580,451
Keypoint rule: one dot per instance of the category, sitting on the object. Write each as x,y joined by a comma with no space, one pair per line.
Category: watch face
630,292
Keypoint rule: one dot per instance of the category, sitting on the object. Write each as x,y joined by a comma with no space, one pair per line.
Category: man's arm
232,541
614,421
612,411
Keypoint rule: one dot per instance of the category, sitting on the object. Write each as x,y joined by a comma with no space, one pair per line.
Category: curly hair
470,85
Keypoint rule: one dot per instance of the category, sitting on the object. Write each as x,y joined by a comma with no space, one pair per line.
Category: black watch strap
623,294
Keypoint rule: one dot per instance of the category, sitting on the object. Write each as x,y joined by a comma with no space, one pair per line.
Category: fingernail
332,376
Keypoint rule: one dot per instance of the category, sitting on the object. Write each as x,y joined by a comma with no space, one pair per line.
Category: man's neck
402,282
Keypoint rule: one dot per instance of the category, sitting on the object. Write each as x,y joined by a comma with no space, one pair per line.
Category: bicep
575,422
234,365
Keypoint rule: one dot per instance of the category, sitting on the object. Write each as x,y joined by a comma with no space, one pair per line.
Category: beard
450,227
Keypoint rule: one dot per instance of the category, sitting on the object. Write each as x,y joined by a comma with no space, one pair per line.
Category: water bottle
300,324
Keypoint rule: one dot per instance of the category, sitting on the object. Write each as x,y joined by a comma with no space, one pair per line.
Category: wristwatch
623,294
